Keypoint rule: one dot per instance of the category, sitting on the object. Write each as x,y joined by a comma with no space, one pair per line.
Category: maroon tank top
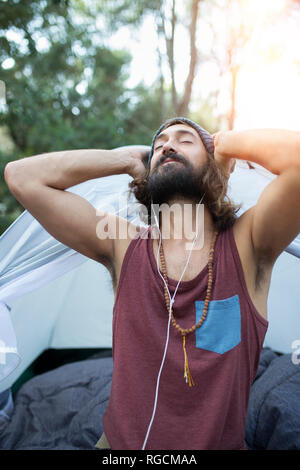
223,354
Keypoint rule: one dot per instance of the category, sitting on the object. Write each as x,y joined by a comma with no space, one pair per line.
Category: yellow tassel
187,374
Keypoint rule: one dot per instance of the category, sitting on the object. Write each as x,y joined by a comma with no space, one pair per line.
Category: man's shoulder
126,233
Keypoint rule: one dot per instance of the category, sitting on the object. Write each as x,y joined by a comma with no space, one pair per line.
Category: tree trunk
183,107
231,117
162,97
170,53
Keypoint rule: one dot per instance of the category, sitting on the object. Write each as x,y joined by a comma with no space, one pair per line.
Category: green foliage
46,110
10,209
66,89
120,13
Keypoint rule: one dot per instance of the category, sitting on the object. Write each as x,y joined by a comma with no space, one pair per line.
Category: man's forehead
178,129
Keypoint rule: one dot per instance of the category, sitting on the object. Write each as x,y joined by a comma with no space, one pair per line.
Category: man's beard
166,182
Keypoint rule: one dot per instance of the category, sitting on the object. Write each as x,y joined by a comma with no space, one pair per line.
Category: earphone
170,310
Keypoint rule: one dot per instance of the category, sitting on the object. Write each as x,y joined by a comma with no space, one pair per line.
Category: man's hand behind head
227,163
139,158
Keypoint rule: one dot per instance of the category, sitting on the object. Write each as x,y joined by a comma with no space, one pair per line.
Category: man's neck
182,219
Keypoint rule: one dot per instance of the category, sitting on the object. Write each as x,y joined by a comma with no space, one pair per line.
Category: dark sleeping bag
63,408
273,419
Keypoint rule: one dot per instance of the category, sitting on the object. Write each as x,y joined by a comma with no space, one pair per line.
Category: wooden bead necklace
187,331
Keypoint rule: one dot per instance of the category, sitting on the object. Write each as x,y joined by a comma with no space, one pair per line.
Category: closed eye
183,142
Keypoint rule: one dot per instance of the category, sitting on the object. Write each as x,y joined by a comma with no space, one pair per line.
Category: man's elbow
14,176
8,173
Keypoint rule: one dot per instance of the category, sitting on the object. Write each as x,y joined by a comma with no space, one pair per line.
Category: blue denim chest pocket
221,329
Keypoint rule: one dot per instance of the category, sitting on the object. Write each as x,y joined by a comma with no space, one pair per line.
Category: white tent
54,297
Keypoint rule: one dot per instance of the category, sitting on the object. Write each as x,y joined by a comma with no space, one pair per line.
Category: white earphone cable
170,310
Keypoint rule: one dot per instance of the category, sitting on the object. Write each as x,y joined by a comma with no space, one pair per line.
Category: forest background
106,73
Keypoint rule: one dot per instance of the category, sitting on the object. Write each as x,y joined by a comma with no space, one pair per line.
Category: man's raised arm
38,183
275,219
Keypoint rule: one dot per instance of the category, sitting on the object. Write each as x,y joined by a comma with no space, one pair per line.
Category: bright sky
268,84
268,91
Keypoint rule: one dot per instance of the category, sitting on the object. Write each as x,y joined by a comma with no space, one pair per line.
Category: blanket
273,418
63,408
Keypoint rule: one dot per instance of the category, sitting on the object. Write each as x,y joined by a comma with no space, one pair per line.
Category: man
183,366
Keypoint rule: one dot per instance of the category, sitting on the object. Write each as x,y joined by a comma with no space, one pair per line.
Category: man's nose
168,147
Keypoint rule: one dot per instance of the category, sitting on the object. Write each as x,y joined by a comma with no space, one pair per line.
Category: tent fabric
52,296
32,259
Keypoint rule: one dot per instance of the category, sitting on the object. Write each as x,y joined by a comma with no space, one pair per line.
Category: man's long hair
214,183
